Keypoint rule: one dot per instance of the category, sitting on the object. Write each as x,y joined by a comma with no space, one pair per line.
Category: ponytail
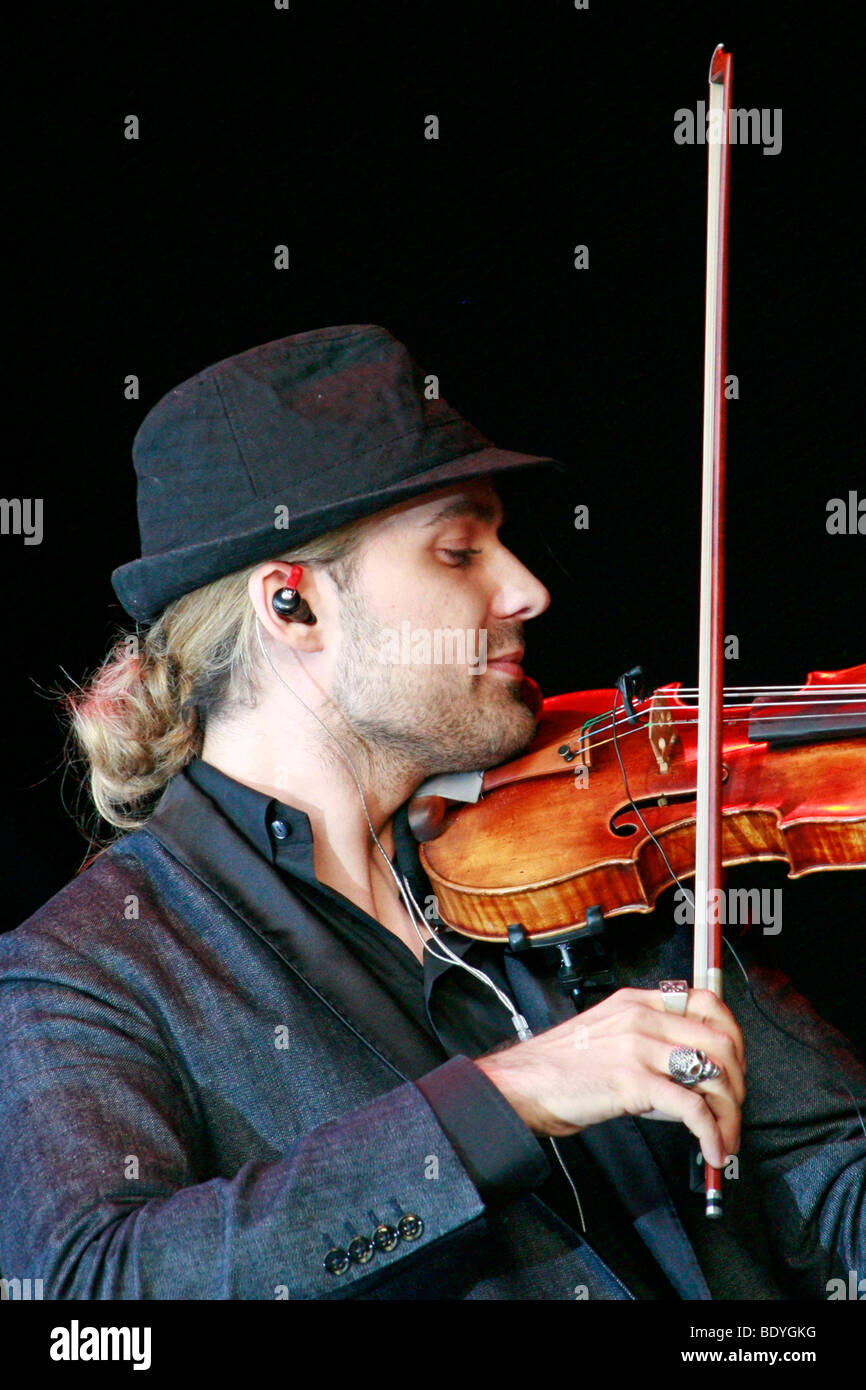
141,716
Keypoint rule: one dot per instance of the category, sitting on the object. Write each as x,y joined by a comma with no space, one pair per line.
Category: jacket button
361,1249
410,1226
336,1261
280,829
385,1237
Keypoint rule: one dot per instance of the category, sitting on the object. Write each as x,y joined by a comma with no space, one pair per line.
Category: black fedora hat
280,444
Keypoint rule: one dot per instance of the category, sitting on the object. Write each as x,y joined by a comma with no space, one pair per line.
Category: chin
508,730
521,739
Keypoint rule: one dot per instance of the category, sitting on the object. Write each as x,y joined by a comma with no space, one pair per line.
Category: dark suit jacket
204,1092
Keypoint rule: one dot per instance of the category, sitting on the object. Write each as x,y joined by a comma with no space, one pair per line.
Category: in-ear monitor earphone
287,603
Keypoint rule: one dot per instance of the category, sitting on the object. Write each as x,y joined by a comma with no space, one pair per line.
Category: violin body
554,832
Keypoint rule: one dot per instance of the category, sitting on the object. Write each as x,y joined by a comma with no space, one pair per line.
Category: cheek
428,601
454,596
423,590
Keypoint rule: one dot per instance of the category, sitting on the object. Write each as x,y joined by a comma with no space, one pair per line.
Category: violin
599,814
620,796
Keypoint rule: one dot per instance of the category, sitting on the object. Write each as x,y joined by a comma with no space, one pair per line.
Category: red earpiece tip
294,575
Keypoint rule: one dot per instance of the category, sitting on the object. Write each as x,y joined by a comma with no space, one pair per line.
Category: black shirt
461,1015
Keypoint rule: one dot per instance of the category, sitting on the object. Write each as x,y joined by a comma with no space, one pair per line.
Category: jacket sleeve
804,1130
107,1192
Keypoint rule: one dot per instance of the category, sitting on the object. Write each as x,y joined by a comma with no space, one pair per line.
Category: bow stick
708,825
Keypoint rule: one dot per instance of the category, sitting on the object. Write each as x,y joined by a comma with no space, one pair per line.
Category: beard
426,717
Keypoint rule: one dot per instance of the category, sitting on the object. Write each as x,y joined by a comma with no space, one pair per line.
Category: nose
518,594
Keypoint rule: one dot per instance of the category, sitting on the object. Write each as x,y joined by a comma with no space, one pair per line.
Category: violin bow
708,826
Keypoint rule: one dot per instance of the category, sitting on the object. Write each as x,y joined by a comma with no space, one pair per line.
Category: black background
306,127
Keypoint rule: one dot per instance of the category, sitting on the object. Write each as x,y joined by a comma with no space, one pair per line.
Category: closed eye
461,557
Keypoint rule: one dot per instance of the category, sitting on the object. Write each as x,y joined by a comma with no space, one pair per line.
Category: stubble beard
425,719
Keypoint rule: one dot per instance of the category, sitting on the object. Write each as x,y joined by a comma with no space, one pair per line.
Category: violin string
745,715
740,719
623,719
594,741
822,709
855,694
805,691
813,700
758,706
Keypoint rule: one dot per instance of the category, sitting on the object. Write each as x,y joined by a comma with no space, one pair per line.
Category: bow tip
720,64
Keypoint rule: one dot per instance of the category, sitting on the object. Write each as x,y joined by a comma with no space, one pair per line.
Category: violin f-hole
624,822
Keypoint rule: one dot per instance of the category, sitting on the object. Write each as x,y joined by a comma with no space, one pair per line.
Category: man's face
435,605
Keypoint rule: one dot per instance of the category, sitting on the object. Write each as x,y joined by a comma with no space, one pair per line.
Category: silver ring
675,995
689,1066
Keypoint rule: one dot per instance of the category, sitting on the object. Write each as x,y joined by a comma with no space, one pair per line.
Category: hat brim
145,586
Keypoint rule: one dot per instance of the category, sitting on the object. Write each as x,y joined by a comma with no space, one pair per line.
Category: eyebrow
468,506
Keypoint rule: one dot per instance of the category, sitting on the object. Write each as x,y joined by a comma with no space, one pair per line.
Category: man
244,1056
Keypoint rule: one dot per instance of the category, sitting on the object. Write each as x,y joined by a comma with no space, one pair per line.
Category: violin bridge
662,731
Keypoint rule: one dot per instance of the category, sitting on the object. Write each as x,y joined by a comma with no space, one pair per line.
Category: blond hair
140,717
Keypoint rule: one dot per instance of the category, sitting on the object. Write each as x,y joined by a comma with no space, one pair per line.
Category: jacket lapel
188,825
622,1150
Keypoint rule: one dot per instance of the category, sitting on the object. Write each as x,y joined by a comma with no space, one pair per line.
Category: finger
718,1095
719,1047
692,1109
714,1038
703,1006
706,1007
639,1022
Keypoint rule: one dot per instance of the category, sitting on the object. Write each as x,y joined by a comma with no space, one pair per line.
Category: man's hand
613,1060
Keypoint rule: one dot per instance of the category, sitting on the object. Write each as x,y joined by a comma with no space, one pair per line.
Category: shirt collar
284,836
269,825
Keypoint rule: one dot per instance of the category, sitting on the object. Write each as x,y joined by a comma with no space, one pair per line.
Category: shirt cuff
500,1153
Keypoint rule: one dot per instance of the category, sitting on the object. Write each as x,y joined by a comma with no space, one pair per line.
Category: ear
266,581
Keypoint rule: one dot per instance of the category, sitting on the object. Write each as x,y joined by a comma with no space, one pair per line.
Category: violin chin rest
426,815
432,798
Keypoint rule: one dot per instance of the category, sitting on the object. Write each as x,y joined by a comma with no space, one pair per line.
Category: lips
508,663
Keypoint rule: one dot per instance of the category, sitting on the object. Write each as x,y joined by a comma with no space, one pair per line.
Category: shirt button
410,1226
280,829
336,1261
